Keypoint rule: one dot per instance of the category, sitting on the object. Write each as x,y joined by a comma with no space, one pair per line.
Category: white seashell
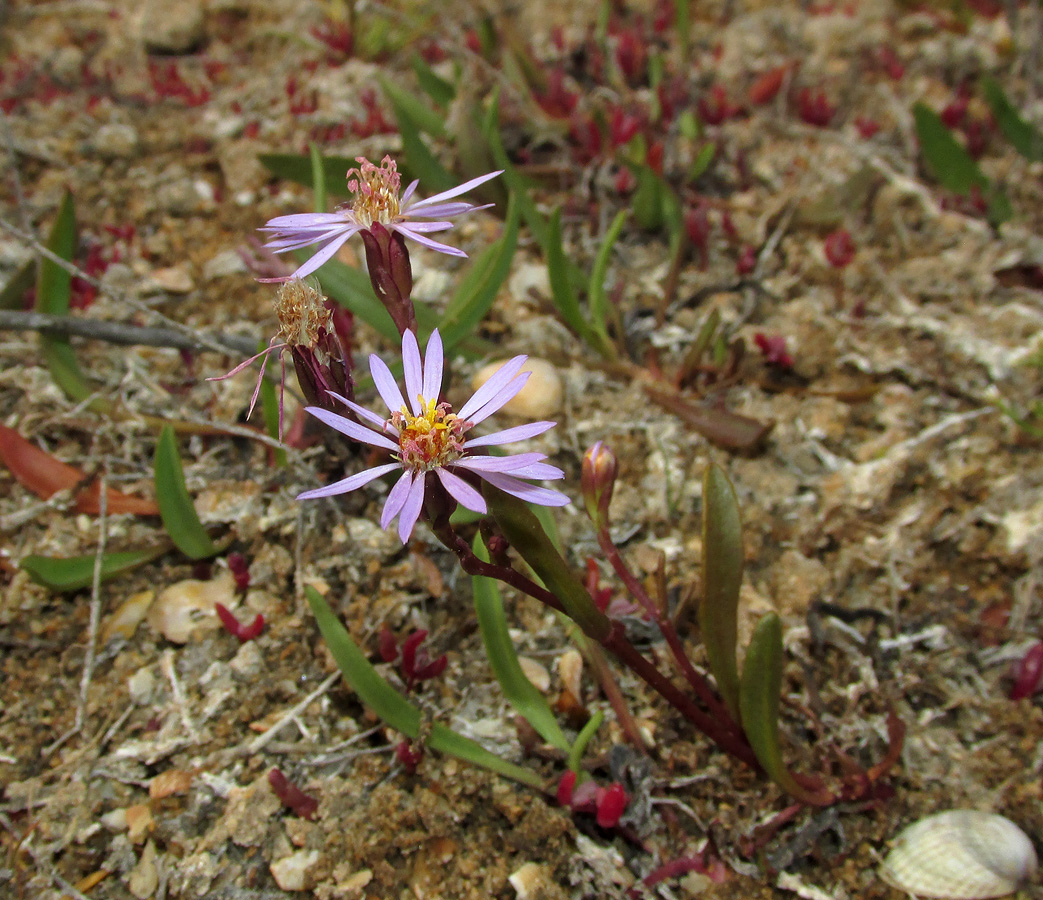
960,855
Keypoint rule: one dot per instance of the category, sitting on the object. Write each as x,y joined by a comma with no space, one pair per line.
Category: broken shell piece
960,855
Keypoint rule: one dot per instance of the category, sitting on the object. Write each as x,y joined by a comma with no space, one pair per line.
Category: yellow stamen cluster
302,313
376,191
432,439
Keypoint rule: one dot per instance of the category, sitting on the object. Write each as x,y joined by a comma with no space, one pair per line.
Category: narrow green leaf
298,168
1023,136
647,201
478,289
75,573
175,505
53,294
499,649
422,117
318,177
597,296
562,291
525,534
434,85
395,709
999,209
722,578
761,694
11,297
270,405
583,739
419,161
702,161
946,159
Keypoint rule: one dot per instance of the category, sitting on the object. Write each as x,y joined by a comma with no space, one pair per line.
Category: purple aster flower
377,200
427,439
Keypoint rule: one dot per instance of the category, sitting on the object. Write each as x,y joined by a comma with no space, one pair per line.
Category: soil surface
893,515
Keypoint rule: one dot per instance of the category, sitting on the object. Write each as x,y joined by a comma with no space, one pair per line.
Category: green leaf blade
946,159
722,579
499,649
75,573
1023,137
175,505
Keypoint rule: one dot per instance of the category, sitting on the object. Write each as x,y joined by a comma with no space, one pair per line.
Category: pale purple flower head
427,439
377,200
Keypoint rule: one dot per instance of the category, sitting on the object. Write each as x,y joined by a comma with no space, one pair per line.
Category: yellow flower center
432,439
376,191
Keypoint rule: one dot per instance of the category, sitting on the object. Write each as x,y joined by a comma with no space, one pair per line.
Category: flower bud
597,480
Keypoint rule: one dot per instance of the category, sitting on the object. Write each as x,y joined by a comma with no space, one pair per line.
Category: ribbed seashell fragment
961,855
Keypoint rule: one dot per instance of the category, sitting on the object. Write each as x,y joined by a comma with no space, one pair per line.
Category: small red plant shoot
234,627
1028,673
292,797
714,107
773,348
866,127
237,565
815,108
409,755
839,248
747,261
606,804
697,227
417,664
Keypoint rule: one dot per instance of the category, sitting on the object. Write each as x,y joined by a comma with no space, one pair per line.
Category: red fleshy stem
233,626
240,571
839,248
292,796
409,756
565,788
611,803
416,665
1028,673
388,645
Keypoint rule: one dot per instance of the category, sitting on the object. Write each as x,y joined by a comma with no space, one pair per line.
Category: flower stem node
597,480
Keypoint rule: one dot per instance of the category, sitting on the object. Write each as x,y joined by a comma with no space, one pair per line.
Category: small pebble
170,782
115,140
173,280
172,26
144,877
141,685
543,395
294,872
570,671
126,619
536,673
186,607
139,821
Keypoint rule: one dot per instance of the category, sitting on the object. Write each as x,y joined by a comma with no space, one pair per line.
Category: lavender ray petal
413,371
303,220
411,508
397,496
427,242
447,210
352,429
530,493
322,256
458,190
508,435
429,227
361,412
461,491
500,463
385,384
504,396
488,390
348,484
408,193
433,364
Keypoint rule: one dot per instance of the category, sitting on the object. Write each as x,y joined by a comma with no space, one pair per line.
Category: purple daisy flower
377,200
425,437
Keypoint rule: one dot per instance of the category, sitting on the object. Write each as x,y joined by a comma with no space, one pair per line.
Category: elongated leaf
11,297
175,504
53,293
946,159
478,290
702,161
318,177
575,758
1023,136
597,296
391,706
77,572
298,168
499,649
45,476
419,161
433,84
760,696
521,527
423,117
562,291
722,578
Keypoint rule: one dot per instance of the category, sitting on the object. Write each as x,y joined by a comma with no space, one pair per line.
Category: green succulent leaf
946,158
175,505
434,85
503,659
1026,139
75,573
722,579
395,709
478,290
